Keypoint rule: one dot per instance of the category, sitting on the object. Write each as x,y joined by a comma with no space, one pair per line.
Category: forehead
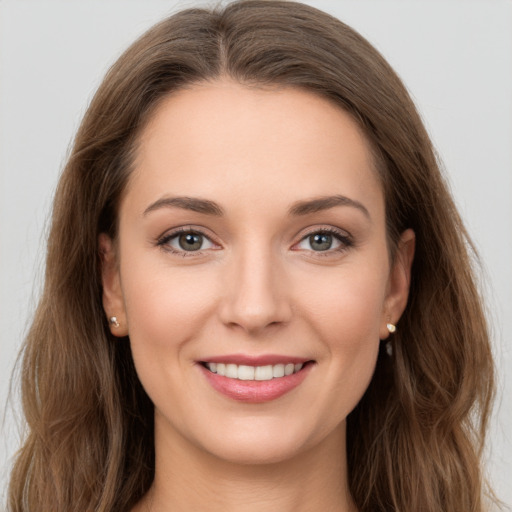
231,140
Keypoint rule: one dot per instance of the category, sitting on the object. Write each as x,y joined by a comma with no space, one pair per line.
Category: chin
248,452
264,442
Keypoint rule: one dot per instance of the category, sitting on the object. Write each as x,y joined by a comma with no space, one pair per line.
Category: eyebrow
324,203
208,207
186,203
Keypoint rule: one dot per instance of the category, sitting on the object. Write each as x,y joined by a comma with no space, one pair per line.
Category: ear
113,300
399,282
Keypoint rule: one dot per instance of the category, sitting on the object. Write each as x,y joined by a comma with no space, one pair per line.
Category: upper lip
255,360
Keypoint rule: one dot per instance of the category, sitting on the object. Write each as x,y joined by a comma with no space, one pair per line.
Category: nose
255,295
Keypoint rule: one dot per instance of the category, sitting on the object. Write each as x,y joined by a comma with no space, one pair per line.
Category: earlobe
113,301
399,283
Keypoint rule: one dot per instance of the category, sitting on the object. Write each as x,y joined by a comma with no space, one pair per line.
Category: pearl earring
113,321
391,328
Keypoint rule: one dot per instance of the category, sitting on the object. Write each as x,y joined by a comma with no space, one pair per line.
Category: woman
258,290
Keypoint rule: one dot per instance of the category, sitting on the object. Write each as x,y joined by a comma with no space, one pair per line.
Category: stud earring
391,328
113,321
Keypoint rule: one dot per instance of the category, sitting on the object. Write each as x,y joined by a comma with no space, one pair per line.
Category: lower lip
255,391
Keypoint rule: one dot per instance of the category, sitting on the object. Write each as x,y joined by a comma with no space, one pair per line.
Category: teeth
244,372
289,368
232,371
263,373
278,370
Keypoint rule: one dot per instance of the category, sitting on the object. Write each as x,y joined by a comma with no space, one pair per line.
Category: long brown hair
415,439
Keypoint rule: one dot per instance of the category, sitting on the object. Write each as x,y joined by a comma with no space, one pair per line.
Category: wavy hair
414,441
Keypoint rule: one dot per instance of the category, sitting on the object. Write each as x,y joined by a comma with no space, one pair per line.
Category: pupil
190,241
320,241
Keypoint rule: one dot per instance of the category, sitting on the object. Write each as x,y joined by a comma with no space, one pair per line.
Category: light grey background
454,55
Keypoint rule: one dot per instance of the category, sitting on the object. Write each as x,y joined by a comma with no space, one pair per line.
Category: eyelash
342,237
345,240
163,241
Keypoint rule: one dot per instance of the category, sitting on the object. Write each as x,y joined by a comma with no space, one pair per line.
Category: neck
190,479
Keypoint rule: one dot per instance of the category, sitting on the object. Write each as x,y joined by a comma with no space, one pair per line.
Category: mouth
254,373
258,382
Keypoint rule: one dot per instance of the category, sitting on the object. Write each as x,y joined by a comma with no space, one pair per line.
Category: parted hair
415,440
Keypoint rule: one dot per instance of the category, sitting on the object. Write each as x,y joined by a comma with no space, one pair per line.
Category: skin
258,285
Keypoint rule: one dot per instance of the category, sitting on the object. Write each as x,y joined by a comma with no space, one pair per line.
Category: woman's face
252,241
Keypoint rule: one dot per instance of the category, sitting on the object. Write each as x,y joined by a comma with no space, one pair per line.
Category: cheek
346,305
165,307
165,310
345,312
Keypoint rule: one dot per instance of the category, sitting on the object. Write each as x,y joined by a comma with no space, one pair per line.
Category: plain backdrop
455,57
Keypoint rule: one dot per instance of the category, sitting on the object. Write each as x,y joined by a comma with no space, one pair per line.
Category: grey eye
189,242
320,242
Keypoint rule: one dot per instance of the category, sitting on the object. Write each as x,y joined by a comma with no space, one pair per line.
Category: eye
324,241
186,241
319,242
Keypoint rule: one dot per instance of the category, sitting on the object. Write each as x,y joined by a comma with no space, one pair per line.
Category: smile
260,373
255,379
